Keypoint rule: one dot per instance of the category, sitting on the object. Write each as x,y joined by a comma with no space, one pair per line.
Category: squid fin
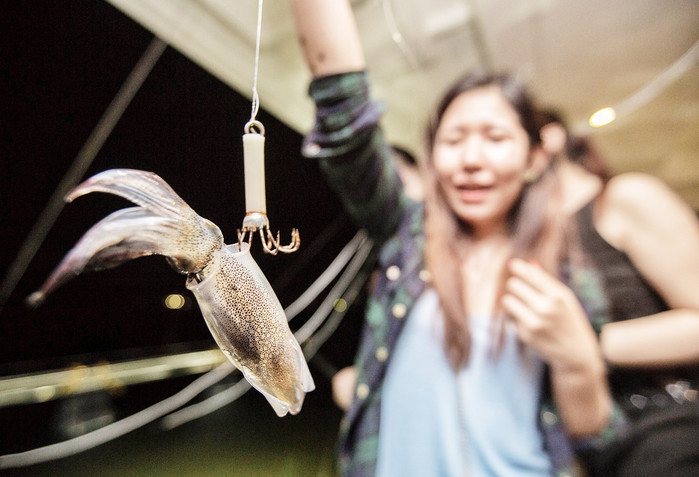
163,224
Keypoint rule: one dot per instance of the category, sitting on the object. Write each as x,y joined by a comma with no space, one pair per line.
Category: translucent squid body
236,300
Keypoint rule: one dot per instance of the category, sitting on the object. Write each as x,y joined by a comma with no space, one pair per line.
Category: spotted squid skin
250,326
238,303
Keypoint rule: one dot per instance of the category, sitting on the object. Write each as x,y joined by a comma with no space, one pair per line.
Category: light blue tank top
481,421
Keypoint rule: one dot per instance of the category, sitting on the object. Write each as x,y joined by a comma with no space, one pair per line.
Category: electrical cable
658,84
359,246
328,275
119,428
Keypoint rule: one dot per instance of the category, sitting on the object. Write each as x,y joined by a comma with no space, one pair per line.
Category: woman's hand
549,318
343,383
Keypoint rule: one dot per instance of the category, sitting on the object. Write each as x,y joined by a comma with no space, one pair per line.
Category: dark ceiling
62,63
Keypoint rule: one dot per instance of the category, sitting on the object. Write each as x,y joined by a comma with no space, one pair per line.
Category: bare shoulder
637,190
637,203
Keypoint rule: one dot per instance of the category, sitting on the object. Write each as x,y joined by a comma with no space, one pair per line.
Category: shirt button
393,273
399,310
550,418
638,400
381,353
362,391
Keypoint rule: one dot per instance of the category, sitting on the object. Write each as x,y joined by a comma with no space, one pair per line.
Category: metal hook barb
292,247
255,222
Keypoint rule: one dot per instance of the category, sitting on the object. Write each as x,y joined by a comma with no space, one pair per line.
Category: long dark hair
535,222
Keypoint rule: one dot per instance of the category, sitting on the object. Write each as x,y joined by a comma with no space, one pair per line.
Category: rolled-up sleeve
348,142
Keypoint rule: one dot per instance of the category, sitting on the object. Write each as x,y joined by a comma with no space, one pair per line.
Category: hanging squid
237,302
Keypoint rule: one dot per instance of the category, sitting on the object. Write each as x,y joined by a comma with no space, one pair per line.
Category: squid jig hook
256,219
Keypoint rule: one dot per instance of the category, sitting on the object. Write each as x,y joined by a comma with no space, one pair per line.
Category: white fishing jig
254,156
255,202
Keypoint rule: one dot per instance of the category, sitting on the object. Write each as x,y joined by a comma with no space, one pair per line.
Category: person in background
496,317
656,394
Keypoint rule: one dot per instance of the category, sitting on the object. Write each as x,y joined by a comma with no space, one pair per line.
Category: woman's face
480,154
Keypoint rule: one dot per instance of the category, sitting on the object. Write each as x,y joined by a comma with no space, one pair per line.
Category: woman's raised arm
328,35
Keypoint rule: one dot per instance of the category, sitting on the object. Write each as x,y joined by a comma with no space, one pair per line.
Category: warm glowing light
602,117
340,305
174,301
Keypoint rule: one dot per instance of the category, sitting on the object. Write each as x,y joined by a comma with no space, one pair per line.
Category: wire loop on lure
270,243
254,123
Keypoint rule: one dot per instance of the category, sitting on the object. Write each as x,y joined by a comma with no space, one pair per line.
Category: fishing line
256,220
255,95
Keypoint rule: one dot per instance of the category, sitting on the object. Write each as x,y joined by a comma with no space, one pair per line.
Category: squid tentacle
145,189
123,235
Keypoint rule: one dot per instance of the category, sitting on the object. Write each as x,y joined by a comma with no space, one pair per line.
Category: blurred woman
480,353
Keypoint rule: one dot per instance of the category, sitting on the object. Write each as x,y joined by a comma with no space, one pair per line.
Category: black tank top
629,296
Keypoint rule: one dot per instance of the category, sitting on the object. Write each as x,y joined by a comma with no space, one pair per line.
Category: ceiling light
602,117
